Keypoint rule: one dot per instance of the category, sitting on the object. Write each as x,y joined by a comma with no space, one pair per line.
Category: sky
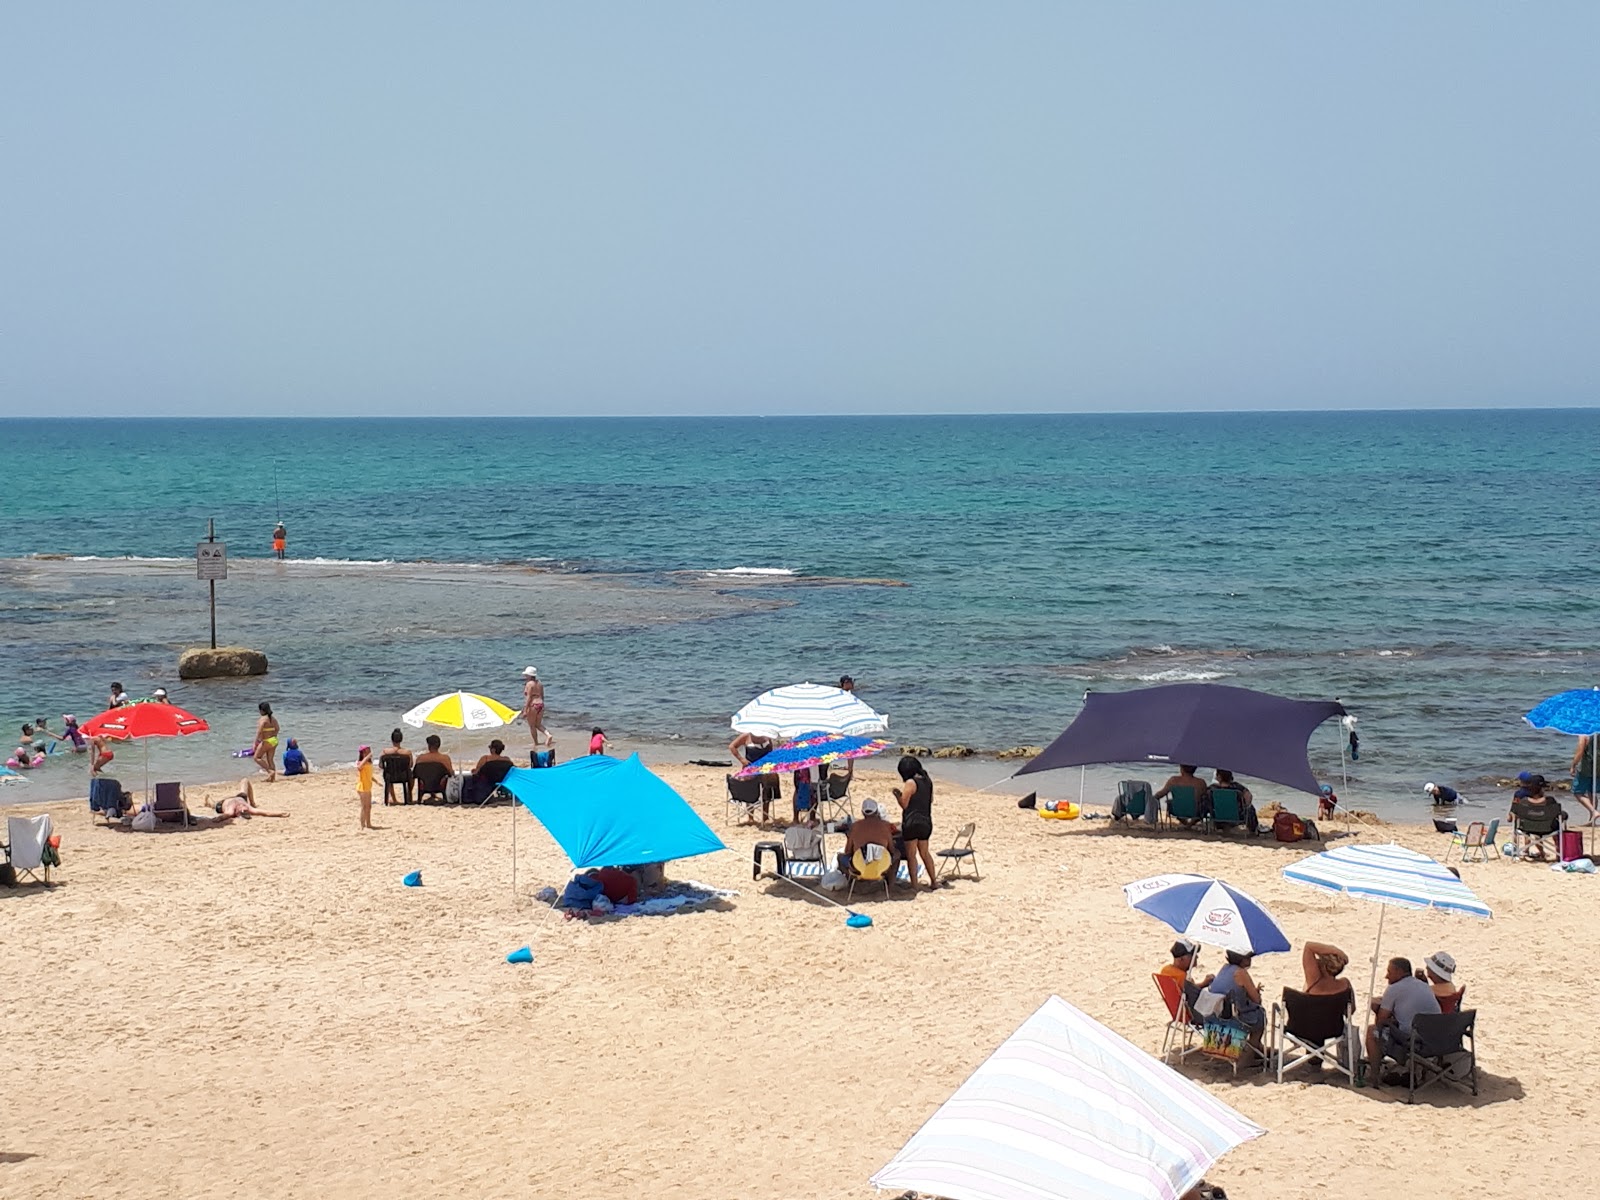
391,208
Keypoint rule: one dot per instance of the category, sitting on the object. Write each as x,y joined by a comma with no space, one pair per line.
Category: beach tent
1203,724
609,812
1066,1108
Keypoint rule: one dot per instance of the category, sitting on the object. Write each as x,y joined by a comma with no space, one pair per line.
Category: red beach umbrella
146,719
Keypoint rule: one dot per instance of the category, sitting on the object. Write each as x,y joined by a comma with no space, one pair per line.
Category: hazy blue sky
679,207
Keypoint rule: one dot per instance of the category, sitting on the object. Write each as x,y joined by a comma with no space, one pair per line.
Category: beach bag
144,821
452,790
1207,1004
1287,827
833,881
1571,846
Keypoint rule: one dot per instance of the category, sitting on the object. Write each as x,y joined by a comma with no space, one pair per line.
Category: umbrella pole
514,854
147,798
1082,771
1372,983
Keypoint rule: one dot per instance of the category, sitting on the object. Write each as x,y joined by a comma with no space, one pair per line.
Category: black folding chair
744,794
1442,1050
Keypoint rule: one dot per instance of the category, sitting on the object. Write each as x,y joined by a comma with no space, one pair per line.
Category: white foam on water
1178,675
777,572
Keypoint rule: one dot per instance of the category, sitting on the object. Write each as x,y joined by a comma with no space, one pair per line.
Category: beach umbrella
813,750
1065,1108
1576,712
1208,910
460,710
800,708
1389,875
145,719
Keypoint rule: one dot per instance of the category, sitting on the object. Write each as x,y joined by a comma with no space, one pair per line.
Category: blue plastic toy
413,880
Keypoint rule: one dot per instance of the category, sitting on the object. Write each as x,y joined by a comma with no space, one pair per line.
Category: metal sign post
211,564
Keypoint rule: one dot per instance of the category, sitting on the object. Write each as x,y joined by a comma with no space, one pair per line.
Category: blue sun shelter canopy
608,812
1203,724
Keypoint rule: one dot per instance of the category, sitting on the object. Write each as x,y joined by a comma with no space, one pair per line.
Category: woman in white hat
1439,972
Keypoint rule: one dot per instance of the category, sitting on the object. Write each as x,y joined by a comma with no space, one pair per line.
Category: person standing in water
533,707
265,750
280,541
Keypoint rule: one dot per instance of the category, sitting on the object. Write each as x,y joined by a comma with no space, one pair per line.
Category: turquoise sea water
1435,570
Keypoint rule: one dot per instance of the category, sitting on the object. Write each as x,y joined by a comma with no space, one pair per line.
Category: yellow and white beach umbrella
460,710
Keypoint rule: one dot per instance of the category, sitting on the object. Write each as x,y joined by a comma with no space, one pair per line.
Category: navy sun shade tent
1202,724
609,812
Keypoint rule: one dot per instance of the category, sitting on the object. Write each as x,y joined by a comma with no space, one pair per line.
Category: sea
1434,570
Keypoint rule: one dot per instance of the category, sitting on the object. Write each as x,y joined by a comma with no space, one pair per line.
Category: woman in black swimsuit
916,818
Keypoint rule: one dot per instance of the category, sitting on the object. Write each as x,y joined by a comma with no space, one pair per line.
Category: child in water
364,784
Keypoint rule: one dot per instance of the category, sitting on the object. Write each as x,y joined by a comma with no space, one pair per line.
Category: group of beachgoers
1232,994
38,742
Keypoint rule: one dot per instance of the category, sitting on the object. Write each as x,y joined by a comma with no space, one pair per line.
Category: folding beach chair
1540,828
743,796
480,787
1182,1025
28,848
835,793
1452,1003
1227,808
1441,1050
870,864
395,768
1183,805
1477,844
1315,1029
107,799
1133,802
960,851
170,808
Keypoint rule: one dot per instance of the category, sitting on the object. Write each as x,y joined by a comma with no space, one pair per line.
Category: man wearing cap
160,696
533,706
870,830
1183,952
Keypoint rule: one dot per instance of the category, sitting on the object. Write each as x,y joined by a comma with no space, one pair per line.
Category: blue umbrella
813,749
1211,912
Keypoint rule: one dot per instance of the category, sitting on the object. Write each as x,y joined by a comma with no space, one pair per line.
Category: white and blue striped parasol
1390,875
1208,910
1065,1107
787,712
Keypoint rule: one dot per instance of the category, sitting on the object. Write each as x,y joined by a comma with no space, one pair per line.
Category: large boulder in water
224,662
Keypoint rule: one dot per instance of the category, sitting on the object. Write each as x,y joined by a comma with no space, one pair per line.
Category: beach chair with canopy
1441,1049
960,852
1315,1029
28,848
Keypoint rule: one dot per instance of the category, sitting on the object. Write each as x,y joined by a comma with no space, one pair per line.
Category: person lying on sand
242,804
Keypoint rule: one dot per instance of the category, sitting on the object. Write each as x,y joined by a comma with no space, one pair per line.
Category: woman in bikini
265,750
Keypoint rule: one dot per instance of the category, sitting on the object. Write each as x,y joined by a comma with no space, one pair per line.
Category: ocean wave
724,572
1179,675
105,558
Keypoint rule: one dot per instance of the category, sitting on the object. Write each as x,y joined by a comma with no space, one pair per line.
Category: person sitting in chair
871,830
432,771
1236,986
1439,973
1542,816
1323,966
1404,998
1183,952
395,766
1247,802
1185,778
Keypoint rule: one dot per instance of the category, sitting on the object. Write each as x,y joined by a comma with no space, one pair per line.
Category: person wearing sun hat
1439,972
1440,794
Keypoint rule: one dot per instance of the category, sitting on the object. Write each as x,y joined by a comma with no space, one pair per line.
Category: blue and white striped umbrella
787,712
1211,912
1065,1107
1390,875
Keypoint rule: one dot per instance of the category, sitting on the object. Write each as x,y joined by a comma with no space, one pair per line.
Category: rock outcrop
1021,752
954,752
224,662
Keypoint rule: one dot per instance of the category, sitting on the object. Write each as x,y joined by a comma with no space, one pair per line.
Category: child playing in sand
364,784
597,740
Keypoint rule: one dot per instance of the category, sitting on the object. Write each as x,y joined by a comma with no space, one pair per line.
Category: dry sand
263,1010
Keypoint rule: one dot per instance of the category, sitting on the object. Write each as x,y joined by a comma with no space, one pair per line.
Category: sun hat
1442,965
1430,788
529,673
869,808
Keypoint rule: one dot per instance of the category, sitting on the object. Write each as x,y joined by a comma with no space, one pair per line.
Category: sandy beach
263,1010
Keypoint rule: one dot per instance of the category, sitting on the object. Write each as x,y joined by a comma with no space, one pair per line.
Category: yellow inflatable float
1058,810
